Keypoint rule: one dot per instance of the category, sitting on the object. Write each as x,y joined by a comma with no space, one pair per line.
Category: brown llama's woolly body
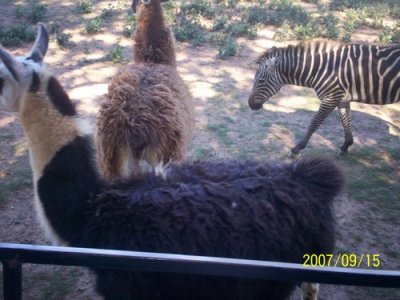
149,117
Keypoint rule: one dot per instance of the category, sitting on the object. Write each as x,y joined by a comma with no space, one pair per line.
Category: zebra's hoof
340,153
293,155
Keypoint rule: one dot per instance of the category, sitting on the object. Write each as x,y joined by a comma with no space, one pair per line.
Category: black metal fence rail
13,256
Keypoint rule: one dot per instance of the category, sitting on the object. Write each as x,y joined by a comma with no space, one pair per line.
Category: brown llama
149,116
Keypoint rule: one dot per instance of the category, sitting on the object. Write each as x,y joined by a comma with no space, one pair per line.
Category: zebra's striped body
339,73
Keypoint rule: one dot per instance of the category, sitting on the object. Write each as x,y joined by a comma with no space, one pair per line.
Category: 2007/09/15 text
344,260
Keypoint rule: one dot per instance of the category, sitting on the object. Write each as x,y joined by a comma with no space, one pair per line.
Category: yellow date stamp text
344,260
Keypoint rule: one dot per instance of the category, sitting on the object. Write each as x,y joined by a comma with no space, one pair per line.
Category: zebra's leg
345,117
324,110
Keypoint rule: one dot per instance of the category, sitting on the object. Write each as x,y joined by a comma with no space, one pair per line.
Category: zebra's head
266,81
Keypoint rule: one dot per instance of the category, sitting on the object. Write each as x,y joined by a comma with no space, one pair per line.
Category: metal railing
13,256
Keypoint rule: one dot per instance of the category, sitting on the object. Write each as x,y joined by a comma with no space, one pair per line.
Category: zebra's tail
322,174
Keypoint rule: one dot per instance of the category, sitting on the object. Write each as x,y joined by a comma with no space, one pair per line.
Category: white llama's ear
15,67
39,48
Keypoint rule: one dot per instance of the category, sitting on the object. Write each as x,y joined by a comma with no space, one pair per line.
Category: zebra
339,73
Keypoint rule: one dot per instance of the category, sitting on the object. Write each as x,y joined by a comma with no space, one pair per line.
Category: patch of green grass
372,180
221,131
17,180
16,35
57,284
267,123
94,26
201,153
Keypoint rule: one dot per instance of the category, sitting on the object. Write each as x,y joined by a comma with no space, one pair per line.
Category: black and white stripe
339,73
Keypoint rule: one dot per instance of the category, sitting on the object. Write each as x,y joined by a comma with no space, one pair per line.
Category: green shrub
390,35
228,48
220,23
115,54
107,12
198,7
63,39
255,15
34,12
93,26
285,11
284,33
37,13
19,11
190,31
232,3
329,26
13,36
130,24
217,38
395,11
240,28
305,32
84,7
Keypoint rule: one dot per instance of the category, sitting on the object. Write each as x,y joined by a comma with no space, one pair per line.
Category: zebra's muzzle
255,103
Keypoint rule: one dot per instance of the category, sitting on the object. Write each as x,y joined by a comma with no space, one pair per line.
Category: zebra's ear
273,62
277,60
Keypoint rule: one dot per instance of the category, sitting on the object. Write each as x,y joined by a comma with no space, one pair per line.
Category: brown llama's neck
153,39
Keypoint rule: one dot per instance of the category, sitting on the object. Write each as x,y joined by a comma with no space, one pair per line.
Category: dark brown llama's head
136,3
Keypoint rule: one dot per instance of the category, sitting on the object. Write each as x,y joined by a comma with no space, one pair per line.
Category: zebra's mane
315,44
274,51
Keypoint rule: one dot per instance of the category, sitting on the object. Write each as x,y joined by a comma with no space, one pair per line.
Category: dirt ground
226,128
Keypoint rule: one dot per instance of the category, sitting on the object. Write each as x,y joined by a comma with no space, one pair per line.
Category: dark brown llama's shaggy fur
149,117
248,210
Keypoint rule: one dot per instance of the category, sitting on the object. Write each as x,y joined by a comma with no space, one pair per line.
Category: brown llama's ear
15,67
39,48
135,3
